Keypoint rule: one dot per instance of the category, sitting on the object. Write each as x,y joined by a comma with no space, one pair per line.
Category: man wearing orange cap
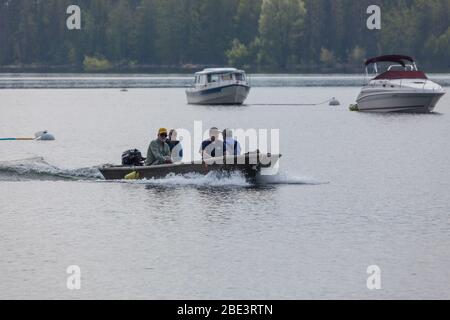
159,151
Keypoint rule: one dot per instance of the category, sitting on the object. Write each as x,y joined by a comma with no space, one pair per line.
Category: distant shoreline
188,70
182,69
174,80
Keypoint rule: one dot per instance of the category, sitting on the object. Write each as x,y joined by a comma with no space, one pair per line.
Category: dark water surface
354,190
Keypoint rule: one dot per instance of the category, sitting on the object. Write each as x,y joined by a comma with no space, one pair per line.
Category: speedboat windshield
397,67
378,65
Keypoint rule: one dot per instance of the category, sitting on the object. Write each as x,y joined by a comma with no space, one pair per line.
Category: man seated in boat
159,151
212,147
176,149
231,147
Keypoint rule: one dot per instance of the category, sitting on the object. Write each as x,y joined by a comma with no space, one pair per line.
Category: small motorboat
220,86
401,88
250,165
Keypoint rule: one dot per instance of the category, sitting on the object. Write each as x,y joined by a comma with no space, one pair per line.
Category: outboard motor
132,158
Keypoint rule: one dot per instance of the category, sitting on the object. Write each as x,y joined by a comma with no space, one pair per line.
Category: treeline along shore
279,36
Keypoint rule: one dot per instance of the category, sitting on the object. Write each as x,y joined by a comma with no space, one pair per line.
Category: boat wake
287,179
38,169
222,180
212,179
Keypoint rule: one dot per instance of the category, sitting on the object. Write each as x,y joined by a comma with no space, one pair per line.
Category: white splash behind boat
402,88
219,86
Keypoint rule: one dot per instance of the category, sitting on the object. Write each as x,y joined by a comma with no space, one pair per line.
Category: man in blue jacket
231,147
213,147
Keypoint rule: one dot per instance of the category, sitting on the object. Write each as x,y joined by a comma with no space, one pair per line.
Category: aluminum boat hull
250,165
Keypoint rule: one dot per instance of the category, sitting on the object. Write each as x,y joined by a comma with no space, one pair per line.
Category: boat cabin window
200,80
213,78
227,77
239,76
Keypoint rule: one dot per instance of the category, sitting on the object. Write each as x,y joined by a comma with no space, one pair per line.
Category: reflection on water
213,204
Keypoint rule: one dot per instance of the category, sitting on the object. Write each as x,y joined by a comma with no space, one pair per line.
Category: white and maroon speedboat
402,88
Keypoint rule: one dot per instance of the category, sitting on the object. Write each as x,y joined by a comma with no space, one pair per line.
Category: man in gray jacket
159,151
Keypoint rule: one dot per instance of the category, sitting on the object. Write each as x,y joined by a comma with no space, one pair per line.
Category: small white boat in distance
402,88
219,86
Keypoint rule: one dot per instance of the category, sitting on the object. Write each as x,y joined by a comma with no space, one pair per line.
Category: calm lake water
354,190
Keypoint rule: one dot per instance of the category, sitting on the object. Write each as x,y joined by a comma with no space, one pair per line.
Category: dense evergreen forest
259,35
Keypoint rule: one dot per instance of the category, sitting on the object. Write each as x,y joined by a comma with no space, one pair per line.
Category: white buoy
334,102
44,136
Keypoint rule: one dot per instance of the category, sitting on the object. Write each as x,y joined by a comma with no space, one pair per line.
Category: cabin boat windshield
239,76
212,78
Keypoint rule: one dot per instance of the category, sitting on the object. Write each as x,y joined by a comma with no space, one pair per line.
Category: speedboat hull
234,94
398,101
250,165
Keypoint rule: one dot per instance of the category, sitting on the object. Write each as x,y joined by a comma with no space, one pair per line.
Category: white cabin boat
219,86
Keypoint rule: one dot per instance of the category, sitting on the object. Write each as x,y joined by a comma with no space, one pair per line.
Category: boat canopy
391,58
219,71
